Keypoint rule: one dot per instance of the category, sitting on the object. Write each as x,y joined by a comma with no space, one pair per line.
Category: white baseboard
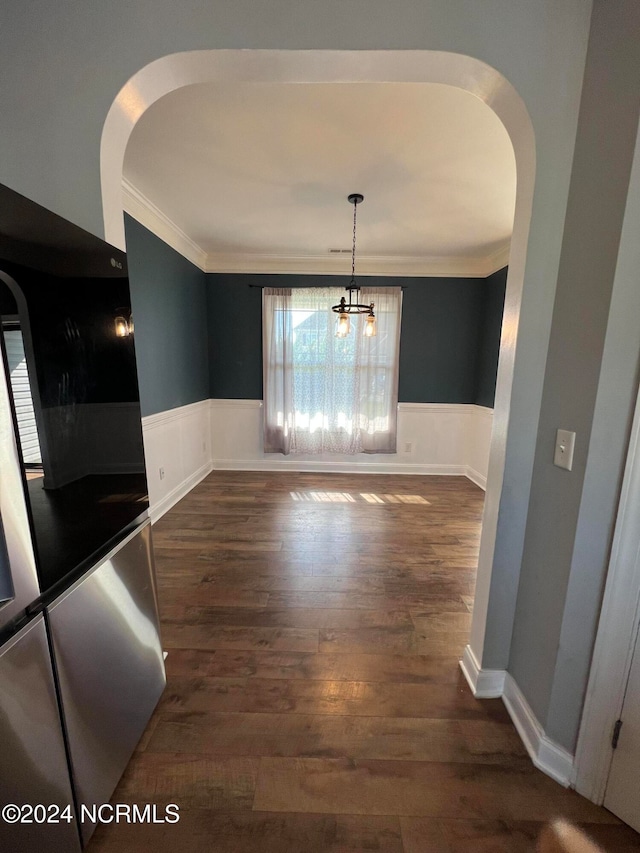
476,477
178,492
484,683
359,467
547,755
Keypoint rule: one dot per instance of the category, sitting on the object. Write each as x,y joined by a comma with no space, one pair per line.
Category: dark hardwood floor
314,625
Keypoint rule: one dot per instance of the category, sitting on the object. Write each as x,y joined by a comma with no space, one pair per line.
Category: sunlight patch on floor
323,497
345,497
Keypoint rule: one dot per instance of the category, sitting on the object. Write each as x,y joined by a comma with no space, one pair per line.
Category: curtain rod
400,286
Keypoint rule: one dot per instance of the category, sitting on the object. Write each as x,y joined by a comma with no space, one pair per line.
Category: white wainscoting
178,442
478,445
433,438
189,441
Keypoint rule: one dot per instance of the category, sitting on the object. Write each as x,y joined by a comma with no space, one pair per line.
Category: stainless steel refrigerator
81,664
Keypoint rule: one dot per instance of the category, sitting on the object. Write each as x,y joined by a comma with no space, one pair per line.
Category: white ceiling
254,177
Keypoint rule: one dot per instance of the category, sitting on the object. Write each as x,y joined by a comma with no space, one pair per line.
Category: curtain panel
324,394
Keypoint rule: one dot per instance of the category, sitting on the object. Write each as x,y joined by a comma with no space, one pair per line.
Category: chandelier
345,309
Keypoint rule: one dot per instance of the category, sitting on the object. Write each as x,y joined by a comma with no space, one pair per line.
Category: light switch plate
565,442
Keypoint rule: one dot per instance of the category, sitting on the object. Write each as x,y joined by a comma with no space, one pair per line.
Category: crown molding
499,259
397,265
141,208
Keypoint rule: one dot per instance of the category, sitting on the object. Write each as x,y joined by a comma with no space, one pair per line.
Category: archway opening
230,66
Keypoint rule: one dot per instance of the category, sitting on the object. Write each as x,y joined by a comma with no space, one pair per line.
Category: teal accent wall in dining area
169,301
199,335
449,341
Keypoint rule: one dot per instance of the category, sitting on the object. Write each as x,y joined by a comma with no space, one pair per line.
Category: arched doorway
316,66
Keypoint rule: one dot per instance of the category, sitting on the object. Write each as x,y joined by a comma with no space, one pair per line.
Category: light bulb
122,328
343,326
370,327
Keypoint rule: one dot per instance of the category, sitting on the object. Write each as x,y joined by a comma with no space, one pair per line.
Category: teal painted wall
448,346
200,336
489,344
235,335
441,324
169,300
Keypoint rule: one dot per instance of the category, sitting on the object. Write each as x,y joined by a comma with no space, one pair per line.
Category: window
327,394
21,389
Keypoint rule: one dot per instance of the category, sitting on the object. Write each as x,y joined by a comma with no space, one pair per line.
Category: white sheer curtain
324,394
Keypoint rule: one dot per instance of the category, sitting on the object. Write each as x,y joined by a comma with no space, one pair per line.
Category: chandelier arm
353,308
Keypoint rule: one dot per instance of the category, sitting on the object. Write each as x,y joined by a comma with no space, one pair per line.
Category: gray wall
571,515
448,346
608,443
169,300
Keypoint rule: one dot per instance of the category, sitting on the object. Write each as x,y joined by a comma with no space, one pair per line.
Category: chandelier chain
344,308
353,250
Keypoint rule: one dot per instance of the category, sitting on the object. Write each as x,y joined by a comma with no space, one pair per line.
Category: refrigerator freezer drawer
106,643
33,764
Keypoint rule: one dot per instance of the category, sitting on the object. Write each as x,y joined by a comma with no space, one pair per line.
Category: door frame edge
615,639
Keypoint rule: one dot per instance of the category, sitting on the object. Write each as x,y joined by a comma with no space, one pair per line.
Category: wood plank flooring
314,700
